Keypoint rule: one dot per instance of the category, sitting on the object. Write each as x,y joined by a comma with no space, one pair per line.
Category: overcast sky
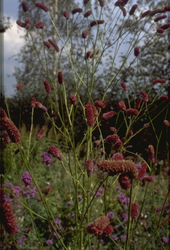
12,44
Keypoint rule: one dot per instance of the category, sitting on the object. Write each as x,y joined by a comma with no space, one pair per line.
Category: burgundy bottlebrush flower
89,111
73,99
87,13
145,96
148,178
136,51
54,45
167,8
39,25
76,10
101,2
9,221
40,134
89,167
47,44
125,181
160,30
24,6
108,230
167,123
96,22
121,106
26,178
6,137
27,20
11,129
42,6
138,103
99,104
60,77
87,55
151,153
47,87
165,26
98,226
155,11
19,86
131,111
123,85
121,2
114,167
164,97
21,24
55,152
3,114
84,34
118,144
33,102
142,171
134,211
160,18
108,115
132,10
112,139
146,13
39,105
66,14
117,157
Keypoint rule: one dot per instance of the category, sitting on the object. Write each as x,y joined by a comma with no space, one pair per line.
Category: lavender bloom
123,199
49,242
47,158
123,237
79,197
110,215
21,239
72,215
124,216
114,237
99,192
165,240
69,203
58,198
26,178
30,192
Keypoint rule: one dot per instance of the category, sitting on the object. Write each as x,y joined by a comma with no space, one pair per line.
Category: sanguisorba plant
109,189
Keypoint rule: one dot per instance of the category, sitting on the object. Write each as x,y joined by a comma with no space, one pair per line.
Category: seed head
66,14
47,87
110,139
145,96
134,211
39,25
60,77
131,111
123,85
108,115
89,111
142,171
9,220
101,2
160,18
24,6
54,45
21,24
138,103
158,81
132,10
55,152
99,104
146,13
11,129
96,22
73,99
89,167
125,181
19,86
122,106
76,10
84,34
42,6
87,13
136,51
40,134
47,44
167,123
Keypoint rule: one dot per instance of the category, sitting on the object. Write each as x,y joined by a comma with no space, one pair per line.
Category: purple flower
69,203
118,188
49,242
47,158
58,198
26,178
123,237
123,199
79,197
114,237
57,222
165,240
21,239
30,192
72,215
124,216
110,215
138,166
99,192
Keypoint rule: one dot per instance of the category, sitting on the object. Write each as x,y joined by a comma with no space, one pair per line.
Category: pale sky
12,44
